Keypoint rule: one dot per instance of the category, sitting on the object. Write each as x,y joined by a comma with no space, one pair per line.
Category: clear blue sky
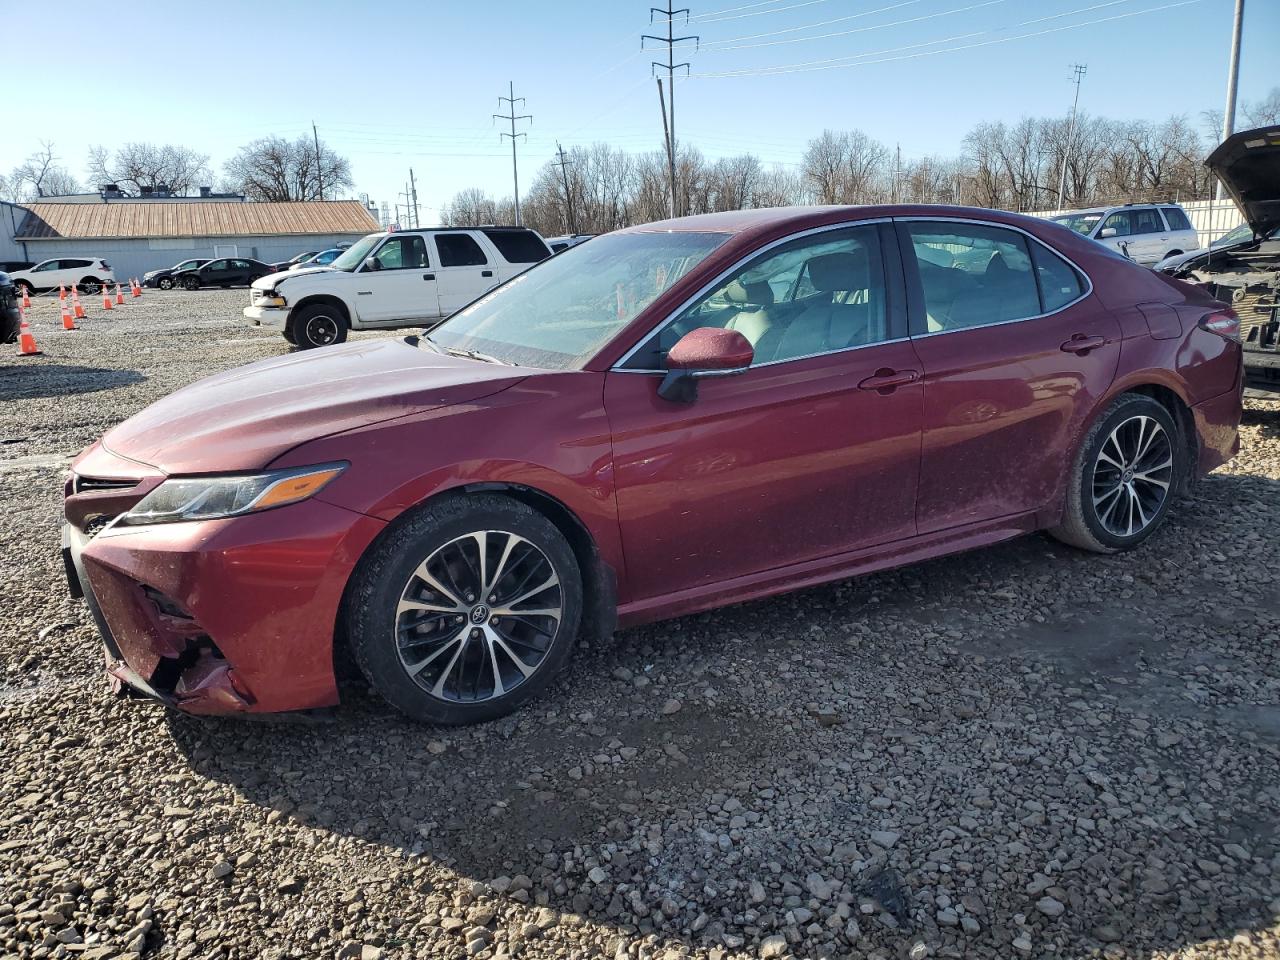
395,84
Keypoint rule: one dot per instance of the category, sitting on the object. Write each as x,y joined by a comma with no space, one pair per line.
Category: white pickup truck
404,278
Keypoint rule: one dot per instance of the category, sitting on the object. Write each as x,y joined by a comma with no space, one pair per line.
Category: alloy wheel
478,617
1132,475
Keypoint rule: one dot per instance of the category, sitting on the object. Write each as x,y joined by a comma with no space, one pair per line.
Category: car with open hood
667,419
1246,271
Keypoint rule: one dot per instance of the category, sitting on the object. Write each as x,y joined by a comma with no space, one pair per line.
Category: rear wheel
190,283
1125,475
318,325
467,610
90,285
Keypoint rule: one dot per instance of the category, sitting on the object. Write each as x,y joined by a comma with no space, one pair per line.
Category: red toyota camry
667,419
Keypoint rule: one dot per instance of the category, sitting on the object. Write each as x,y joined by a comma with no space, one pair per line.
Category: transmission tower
511,102
669,110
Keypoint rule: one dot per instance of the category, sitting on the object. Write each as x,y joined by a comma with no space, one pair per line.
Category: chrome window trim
727,272
1030,236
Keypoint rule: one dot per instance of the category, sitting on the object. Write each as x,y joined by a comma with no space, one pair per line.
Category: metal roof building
135,235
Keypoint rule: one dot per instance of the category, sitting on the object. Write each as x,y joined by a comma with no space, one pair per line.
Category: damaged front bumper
216,617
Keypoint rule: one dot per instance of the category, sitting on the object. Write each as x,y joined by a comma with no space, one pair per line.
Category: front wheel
318,325
165,283
467,610
1124,478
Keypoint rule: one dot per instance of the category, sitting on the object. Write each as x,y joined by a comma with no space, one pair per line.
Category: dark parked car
223,272
164,278
664,420
10,318
1244,270
9,266
286,264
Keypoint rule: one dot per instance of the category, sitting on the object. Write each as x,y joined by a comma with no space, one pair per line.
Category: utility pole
669,111
413,188
511,101
897,173
1233,78
319,166
1079,70
564,175
671,156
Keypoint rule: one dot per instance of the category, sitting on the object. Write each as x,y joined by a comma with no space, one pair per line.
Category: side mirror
704,352
370,266
1106,233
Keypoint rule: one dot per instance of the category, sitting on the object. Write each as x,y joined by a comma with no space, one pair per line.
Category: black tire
318,325
1117,497
190,283
24,285
382,637
90,285
165,283
288,334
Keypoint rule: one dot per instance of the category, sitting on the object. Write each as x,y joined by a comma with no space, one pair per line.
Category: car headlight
271,298
212,498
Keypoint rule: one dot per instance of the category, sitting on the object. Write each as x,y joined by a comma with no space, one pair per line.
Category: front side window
973,275
405,252
561,312
218,265
1177,219
1147,220
47,265
814,295
1120,222
459,250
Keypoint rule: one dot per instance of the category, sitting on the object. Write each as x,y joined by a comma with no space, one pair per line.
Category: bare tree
136,166
276,169
39,176
1264,112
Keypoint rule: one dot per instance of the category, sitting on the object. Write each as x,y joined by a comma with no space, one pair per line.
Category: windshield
1239,235
561,312
1080,222
357,252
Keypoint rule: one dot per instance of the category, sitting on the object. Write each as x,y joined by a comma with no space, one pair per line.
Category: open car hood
1248,164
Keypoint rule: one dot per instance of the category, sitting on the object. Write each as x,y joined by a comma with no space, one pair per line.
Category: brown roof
204,218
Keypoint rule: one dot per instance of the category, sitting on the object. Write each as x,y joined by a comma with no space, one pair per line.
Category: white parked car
398,279
87,274
1144,232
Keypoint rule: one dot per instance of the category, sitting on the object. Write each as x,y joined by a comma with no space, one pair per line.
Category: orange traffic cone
134,287
62,292
106,297
26,339
119,295
75,304
67,322
26,297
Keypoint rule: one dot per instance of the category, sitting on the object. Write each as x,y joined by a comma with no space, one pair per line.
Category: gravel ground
1023,751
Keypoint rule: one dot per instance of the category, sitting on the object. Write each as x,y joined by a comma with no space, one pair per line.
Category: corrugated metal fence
1211,218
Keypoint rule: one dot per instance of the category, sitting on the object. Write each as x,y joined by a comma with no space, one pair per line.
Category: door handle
1082,344
486,273
428,276
886,381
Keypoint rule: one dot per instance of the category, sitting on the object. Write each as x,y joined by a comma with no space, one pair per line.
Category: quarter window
459,250
811,296
1059,282
973,275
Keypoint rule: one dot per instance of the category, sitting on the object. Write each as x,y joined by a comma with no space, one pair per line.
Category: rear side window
973,275
459,250
1147,221
518,246
75,264
1177,219
1059,282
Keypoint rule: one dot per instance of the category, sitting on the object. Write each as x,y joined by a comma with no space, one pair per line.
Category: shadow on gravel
60,380
1088,768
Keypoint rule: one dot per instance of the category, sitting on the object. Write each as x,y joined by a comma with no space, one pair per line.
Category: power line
669,111
814,26
513,117
838,62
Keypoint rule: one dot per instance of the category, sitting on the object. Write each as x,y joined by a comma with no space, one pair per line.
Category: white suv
398,279
1144,232
87,274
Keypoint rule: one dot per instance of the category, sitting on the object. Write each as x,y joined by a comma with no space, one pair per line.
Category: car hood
1248,164
245,418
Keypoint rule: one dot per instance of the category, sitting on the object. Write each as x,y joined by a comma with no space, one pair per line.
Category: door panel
465,270
404,288
784,463
1004,400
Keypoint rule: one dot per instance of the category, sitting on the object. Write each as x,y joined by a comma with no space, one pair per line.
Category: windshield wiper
473,355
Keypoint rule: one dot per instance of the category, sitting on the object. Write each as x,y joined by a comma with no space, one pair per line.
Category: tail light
1224,323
